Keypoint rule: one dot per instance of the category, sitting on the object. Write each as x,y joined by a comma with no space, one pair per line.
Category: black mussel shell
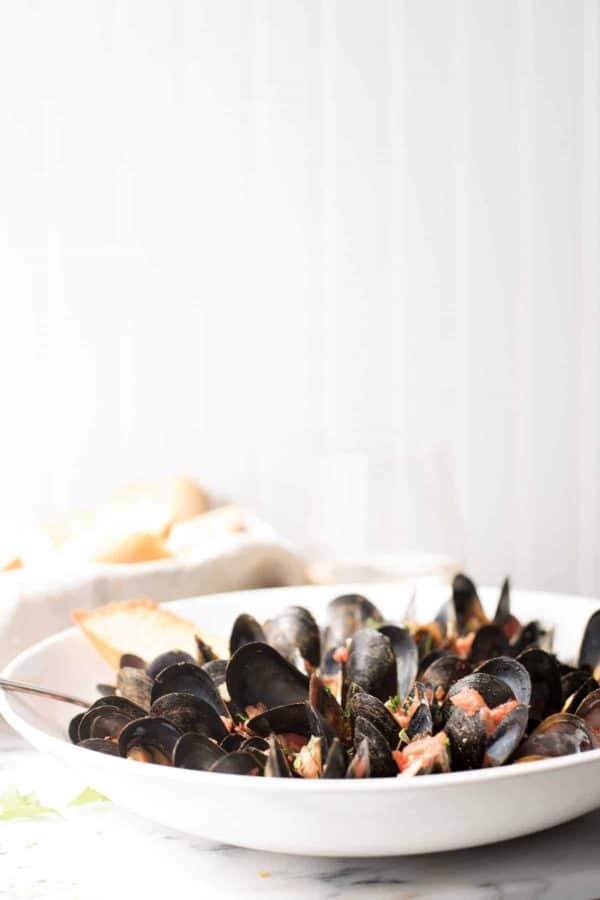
503,618
421,721
320,728
322,699
570,682
246,630
276,765
135,685
507,736
589,711
546,693
512,673
237,763
196,751
289,719
204,650
152,734
572,702
381,762
468,739
293,630
489,642
372,664
217,669
258,674
132,661
100,745
256,743
188,713
589,652
232,742
531,635
559,735
443,673
429,659
106,690
407,657
110,721
335,762
188,678
345,615
164,660
122,703
468,611
360,764
74,728
492,689
372,708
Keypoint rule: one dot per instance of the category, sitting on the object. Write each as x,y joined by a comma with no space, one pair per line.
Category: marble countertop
97,851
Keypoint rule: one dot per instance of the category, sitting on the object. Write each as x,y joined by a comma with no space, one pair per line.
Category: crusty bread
132,548
142,627
180,497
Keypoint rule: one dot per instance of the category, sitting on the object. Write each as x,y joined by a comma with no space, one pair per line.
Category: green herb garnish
88,795
16,805
393,703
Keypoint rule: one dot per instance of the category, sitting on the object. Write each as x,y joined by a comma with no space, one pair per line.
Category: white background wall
340,260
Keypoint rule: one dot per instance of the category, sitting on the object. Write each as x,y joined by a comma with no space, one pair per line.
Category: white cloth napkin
34,605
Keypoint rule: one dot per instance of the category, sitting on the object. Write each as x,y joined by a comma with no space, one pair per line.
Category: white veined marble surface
100,851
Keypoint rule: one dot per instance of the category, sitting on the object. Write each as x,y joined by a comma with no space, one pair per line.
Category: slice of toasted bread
142,627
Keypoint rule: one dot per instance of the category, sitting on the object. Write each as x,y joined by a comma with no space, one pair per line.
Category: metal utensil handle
18,686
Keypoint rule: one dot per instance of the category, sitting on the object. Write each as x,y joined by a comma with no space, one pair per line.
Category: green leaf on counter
15,805
88,795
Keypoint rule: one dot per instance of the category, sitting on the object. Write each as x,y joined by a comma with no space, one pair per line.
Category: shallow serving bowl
329,818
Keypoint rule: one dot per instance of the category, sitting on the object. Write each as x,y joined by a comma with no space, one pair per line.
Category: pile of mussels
366,699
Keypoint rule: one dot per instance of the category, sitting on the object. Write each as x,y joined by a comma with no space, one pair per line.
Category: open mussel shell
150,739
546,693
216,669
407,657
74,727
335,764
295,634
507,736
323,700
122,703
421,722
164,660
468,739
135,685
345,615
492,689
320,728
105,722
558,735
442,674
258,675
246,630
189,713
101,745
372,664
132,661
276,765
468,611
573,701
589,652
360,764
372,708
289,719
381,762
532,635
232,742
239,762
196,751
188,678
512,673
589,711
503,617
488,643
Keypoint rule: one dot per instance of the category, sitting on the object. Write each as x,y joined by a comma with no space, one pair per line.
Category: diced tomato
469,700
420,754
341,655
292,743
499,712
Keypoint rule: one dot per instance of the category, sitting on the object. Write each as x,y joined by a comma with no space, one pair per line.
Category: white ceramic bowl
329,818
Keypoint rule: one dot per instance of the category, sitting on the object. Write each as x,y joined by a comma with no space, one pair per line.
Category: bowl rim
62,746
